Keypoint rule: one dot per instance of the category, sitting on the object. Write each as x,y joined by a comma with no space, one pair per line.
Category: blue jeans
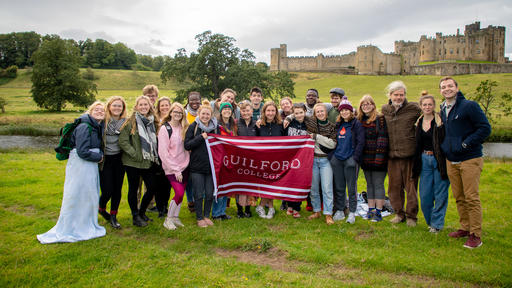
322,174
189,192
345,179
433,192
219,206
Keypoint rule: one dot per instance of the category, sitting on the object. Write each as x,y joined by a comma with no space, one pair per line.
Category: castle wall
448,69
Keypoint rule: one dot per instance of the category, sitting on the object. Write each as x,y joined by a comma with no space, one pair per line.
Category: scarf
147,135
212,125
114,126
191,111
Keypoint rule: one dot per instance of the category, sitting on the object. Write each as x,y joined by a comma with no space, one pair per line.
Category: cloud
80,34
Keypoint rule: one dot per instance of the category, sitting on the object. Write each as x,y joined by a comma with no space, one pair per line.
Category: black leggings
164,191
111,181
148,176
294,205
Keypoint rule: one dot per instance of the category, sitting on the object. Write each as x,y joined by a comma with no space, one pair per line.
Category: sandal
289,211
296,214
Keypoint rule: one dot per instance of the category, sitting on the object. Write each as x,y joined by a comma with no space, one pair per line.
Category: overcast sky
159,27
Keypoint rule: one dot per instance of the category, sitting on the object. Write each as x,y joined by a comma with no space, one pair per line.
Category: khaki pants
400,178
465,178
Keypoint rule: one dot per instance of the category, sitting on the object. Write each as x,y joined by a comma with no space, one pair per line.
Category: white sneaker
338,216
351,218
261,212
168,224
177,222
271,213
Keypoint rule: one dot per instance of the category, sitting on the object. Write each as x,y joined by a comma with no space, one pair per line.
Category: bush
140,67
89,75
9,72
3,102
500,135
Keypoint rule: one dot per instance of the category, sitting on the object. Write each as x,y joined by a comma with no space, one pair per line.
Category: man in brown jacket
400,117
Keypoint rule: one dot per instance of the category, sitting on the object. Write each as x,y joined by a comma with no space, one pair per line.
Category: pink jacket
174,157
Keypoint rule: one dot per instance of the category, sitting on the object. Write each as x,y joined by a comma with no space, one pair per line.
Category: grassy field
281,252
24,117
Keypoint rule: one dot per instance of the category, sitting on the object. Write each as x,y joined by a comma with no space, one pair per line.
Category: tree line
17,48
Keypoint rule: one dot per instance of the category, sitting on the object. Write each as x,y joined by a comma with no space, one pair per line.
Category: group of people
162,145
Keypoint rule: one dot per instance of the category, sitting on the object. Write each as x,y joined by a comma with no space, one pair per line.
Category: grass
22,112
243,253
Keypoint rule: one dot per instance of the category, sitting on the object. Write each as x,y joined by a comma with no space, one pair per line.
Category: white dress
78,219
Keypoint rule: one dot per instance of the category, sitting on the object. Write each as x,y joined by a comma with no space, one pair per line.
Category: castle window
451,50
444,51
477,41
439,51
497,41
444,40
422,52
457,50
477,51
464,51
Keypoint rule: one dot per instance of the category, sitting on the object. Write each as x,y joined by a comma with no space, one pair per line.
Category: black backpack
169,129
65,135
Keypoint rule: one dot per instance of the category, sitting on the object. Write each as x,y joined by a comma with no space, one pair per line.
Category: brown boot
328,219
397,219
411,222
314,215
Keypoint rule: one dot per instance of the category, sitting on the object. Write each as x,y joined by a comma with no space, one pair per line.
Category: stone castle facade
476,44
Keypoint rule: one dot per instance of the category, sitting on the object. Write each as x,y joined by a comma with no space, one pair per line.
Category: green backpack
65,135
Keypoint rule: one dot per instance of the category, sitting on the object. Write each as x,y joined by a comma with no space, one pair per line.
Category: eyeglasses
366,105
177,112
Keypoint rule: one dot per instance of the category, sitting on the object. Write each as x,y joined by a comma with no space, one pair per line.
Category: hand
312,135
204,135
101,160
258,123
179,177
286,123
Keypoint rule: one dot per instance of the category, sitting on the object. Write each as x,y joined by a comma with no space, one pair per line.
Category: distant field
24,117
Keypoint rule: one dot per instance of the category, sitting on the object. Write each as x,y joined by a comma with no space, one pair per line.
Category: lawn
252,252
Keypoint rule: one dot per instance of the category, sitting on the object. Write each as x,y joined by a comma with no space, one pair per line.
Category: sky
159,27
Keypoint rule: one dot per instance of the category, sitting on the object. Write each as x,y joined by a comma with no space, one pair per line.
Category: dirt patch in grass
21,210
273,257
364,234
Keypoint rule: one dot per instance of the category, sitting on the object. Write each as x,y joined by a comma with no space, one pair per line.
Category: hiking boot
473,241
271,213
202,223
328,220
284,205
145,218
433,230
411,222
314,215
139,222
105,215
397,219
351,218
113,221
177,222
369,214
459,234
338,216
240,214
261,212
168,224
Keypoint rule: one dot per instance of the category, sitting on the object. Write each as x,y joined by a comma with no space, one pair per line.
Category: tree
493,106
56,76
219,64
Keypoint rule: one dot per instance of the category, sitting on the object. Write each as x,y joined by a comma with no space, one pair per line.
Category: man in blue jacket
466,128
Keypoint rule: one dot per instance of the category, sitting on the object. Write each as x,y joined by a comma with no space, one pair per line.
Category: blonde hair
93,105
425,97
373,114
395,86
277,118
424,92
150,88
132,121
244,104
319,105
228,90
205,105
111,100
183,122
165,98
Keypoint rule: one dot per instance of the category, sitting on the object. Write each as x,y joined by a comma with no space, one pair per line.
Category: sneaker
208,221
139,222
261,211
284,205
328,220
309,208
473,242
177,222
271,213
377,217
145,218
168,224
397,219
459,234
314,215
296,214
240,214
434,230
224,217
338,216
411,222
369,214
248,214
351,218
202,223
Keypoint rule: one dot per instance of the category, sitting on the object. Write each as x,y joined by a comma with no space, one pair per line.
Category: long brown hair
360,114
231,123
158,113
111,100
132,121
277,118
183,122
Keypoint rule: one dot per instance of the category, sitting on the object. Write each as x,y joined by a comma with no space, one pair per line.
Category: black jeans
111,181
163,192
203,189
148,176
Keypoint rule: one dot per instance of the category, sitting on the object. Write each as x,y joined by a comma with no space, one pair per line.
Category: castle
475,45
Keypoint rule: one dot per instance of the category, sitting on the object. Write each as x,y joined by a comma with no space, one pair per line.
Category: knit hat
225,105
345,104
338,91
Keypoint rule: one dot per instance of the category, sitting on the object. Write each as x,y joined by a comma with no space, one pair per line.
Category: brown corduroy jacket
401,129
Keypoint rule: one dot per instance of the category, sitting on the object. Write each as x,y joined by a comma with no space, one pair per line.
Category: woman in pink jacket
175,159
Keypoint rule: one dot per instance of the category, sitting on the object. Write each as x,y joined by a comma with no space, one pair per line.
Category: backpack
65,135
169,129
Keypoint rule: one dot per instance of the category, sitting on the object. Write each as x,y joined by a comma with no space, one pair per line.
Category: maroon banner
267,167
